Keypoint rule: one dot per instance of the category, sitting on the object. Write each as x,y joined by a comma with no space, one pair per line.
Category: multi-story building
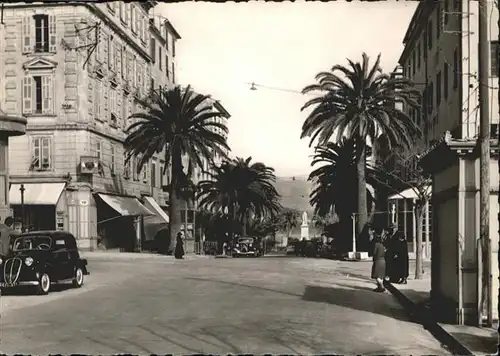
441,57
75,70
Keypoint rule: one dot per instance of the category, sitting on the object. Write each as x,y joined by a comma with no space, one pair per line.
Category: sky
225,46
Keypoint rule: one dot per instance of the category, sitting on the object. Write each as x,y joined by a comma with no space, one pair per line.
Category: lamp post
22,189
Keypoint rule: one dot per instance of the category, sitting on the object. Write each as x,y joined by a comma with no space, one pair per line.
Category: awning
126,206
410,193
36,193
152,205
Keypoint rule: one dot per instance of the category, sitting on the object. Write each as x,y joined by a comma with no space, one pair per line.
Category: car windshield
32,243
246,241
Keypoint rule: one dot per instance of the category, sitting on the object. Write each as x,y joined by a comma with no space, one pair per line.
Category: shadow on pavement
24,291
242,285
480,344
362,299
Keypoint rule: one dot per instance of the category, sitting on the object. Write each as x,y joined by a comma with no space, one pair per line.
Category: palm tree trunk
175,204
361,170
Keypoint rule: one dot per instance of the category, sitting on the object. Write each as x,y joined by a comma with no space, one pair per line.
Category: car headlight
237,245
1,261
250,245
28,261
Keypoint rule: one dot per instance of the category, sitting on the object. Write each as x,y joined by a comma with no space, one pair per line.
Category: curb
422,316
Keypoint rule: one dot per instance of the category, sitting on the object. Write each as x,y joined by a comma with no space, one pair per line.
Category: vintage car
41,258
246,246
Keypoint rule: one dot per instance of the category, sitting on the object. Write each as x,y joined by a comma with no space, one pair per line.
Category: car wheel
78,279
43,287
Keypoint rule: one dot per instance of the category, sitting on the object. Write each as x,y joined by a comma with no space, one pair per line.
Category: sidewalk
117,255
461,339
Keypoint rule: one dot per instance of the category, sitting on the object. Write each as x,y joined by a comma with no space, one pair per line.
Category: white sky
282,45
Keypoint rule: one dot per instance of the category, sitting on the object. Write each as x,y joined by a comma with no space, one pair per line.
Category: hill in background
294,193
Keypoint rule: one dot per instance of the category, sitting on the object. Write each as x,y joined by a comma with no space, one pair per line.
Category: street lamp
22,189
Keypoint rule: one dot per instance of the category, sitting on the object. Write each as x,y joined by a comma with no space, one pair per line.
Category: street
279,305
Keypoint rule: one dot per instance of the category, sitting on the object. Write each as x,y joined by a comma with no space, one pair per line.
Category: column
414,220
427,230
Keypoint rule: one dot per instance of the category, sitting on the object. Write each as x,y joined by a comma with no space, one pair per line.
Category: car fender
82,263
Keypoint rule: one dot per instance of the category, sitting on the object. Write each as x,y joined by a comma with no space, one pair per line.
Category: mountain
295,192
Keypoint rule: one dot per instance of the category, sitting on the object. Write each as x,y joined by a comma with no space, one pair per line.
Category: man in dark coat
179,247
6,233
400,259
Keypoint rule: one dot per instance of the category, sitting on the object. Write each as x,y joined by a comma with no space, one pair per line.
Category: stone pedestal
304,231
9,126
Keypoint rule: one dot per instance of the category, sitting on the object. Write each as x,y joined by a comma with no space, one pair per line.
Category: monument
304,227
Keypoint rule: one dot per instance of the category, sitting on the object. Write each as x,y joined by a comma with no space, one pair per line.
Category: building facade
75,70
441,57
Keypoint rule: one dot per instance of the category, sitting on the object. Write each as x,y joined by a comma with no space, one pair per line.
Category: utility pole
498,157
484,166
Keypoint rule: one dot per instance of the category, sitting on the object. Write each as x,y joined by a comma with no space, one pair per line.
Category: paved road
276,305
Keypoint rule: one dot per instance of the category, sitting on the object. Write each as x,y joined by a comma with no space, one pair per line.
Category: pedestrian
401,259
378,265
179,247
389,243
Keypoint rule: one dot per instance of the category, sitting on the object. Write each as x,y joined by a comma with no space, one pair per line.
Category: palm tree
289,220
335,187
359,102
180,123
241,190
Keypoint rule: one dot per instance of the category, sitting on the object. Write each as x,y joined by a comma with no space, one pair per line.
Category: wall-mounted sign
84,202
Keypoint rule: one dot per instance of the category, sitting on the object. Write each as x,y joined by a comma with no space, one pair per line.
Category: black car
40,258
246,246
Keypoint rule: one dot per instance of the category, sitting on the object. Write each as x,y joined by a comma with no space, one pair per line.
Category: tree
242,190
335,186
360,102
401,173
288,220
180,123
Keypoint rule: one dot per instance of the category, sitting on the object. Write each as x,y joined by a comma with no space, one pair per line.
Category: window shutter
47,94
105,49
52,34
26,35
118,59
132,17
106,104
127,12
90,93
46,154
109,56
27,95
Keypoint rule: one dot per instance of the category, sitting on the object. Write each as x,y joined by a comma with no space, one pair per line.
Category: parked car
246,246
41,258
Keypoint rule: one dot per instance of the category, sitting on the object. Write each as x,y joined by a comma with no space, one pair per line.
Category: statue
304,218
304,228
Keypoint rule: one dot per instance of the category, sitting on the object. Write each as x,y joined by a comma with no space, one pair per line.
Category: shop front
155,226
45,206
119,221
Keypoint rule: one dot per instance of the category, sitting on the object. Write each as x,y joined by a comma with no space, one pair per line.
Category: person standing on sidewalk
179,247
378,265
401,259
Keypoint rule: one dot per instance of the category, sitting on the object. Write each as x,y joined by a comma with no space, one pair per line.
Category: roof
417,21
221,109
172,29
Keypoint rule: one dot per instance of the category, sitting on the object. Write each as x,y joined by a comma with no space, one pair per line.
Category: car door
62,269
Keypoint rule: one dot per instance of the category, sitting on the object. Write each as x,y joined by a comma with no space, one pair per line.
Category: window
438,20
438,89
429,34
414,63
145,172
124,110
124,62
494,58
134,168
173,47
162,168
456,65
118,58
166,66
41,33
122,10
424,47
38,94
113,106
153,49
173,72
111,56
126,166
446,9
41,153
430,98
97,100
138,76
152,84
159,58
133,22
127,13
445,81
456,4
98,149
133,66
113,160
419,55
153,174
166,38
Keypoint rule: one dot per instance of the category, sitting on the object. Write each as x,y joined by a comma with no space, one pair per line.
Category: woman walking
378,266
179,247
401,259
